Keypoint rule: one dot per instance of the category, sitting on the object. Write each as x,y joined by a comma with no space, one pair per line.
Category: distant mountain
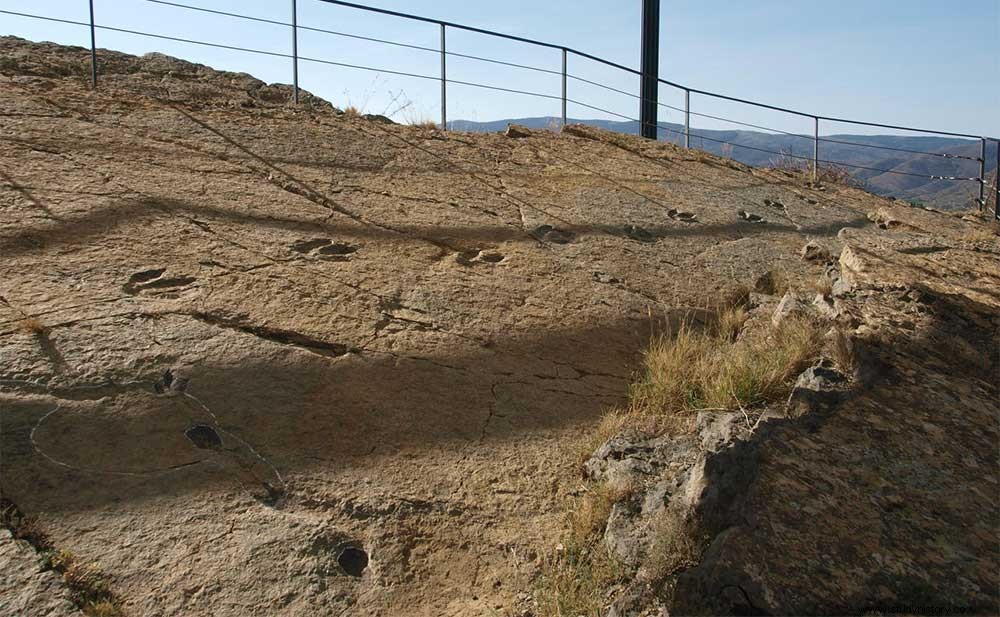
890,155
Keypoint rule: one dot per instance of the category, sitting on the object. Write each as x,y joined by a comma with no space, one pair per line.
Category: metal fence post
295,53
982,175
444,84
815,148
996,186
564,86
93,49
687,118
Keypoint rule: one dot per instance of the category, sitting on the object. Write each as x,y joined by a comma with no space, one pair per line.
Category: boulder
790,305
818,388
516,131
814,251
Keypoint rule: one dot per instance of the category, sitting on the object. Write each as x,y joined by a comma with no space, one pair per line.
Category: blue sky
926,63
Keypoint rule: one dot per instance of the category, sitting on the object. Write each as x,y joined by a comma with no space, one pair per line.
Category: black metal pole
982,175
996,186
295,52
564,87
444,81
93,49
650,67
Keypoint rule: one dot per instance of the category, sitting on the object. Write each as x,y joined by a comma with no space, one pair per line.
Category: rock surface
387,340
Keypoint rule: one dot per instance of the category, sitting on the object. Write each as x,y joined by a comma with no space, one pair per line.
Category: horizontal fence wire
354,36
282,55
668,129
944,155
149,34
530,93
769,128
217,12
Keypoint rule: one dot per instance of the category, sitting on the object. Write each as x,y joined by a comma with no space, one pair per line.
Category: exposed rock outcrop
382,341
870,491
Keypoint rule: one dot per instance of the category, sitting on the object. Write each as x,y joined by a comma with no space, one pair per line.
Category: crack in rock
277,335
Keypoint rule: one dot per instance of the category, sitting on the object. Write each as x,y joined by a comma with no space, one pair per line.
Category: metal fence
683,135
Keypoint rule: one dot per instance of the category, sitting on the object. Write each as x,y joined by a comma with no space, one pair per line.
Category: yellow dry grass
577,576
32,325
693,370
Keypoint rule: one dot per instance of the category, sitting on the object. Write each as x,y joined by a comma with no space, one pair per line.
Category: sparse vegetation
773,282
730,322
673,548
89,587
841,350
822,285
694,370
32,325
23,527
717,367
828,173
351,111
986,232
579,574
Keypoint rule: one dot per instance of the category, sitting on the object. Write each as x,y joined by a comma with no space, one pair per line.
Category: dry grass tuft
772,283
89,586
841,350
32,325
674,547
426,124
720,365
989,232
618,420
712,369
730,322
803,168
822,285
577,578
351,111
103,608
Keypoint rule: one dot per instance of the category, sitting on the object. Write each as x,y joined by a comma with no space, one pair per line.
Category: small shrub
351,111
